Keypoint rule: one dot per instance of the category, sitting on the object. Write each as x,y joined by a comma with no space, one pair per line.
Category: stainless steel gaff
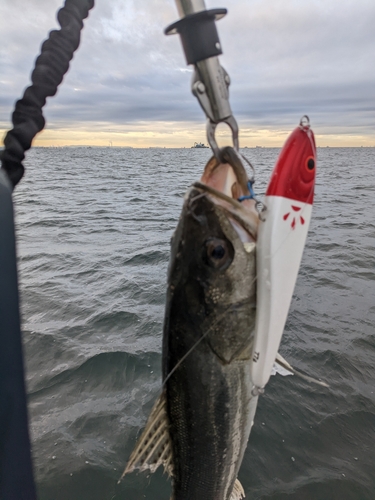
210,81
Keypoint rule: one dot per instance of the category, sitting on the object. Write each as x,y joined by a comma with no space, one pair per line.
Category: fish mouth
225,183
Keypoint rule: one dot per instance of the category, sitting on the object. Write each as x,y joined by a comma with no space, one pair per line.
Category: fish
199,426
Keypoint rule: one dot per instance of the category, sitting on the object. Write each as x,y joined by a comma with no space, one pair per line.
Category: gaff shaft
186,7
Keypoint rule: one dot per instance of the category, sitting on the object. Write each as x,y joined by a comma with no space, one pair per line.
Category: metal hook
211,128
250,165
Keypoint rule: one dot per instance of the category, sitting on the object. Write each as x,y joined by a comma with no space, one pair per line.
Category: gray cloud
285,59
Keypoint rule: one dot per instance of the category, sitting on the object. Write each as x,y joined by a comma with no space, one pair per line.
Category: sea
93,229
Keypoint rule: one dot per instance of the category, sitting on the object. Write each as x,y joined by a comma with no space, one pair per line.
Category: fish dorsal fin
238,492
154,447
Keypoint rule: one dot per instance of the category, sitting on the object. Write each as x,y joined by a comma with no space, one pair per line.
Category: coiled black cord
50,68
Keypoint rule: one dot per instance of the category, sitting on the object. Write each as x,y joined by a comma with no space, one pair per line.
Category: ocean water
93,232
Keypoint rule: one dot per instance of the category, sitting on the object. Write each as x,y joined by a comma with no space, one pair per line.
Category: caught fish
199,427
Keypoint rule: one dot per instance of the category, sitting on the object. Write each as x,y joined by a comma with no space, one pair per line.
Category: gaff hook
201,44
210,129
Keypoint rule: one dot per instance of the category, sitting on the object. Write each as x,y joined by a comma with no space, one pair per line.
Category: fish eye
310,163
218,253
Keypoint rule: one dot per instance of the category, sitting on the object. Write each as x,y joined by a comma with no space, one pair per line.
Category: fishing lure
281,240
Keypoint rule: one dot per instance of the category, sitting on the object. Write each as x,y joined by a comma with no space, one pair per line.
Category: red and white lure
281,240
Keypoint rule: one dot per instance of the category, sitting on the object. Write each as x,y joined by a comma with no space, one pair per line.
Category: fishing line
180,361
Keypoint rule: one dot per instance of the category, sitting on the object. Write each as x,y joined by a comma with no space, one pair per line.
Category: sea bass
199,427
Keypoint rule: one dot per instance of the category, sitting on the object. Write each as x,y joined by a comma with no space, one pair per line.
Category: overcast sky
129,84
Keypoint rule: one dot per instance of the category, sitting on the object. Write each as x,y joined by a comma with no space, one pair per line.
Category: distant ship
199,145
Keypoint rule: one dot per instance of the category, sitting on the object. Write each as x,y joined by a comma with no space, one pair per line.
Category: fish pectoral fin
284,364
154,447
238,492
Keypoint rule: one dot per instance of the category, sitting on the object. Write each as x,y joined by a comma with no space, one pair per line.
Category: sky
129,85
